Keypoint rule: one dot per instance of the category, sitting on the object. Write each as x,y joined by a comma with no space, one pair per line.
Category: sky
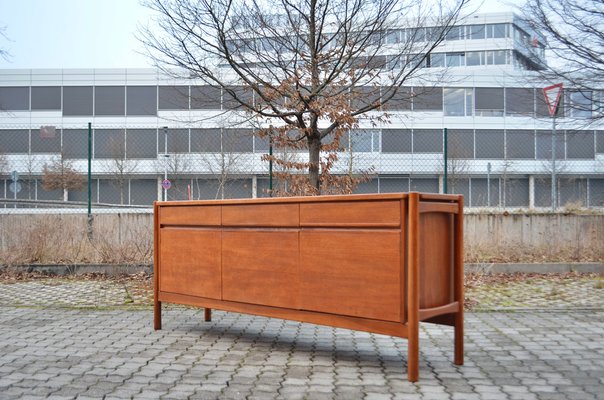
89,33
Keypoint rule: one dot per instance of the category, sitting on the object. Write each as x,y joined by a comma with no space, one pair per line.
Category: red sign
166,184
552,97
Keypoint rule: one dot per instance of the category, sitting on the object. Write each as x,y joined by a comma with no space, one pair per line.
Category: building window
520,144
77,100
474,58
365,140
490,144
427,141
45,98
436,60
580,104
458,102
14,98
455,33
109,100
456,60
427,98
475,32
580,145
396,141
489,102
142,100
520,101
495,31
173,98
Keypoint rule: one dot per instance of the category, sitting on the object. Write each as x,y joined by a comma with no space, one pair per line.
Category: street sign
166,184
552,97
14,176
15,187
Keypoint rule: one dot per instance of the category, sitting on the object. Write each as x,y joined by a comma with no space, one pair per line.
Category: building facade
146,126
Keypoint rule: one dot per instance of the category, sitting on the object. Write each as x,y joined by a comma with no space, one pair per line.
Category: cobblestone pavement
115,354
92,339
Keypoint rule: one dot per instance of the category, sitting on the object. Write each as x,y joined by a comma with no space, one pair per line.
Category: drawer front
190,215
261,267
351,214
261,215
351,272
190,262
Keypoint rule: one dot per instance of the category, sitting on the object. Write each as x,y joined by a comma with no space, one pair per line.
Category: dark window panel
109,143
205,98
45,98
141,100
364,96
394,185
489,101
77,100
544,144
179,188
600,142
543,192
460,143
367,187
580,144
205,140
396,141
14,141
205,189
143,192
109,100
490,143
28,187
46,140
596,192
427,141
233,96
47,195
173,97
141,143
178,141
428,99
457,185
519,101
237,140
572,191
14,98
401,100
238,189
261,144
520,144
113,191
542,109
427,185
82,194
516,192
481,196
75,143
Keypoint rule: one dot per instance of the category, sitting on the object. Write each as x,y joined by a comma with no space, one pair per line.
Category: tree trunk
314,153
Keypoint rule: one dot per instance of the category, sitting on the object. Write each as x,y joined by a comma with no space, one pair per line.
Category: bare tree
60,174
308,70
120,167
3,52
575,37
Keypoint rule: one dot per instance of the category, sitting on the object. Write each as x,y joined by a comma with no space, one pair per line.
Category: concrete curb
485,268
530,268
80,269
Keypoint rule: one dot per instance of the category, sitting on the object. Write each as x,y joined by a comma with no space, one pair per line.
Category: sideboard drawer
190,215
261,215
379,214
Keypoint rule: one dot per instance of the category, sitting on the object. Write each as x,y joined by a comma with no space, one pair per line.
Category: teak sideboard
378,263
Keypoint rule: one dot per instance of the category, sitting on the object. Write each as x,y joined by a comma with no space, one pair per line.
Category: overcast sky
87,33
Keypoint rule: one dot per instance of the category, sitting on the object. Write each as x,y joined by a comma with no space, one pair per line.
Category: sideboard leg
458,357
157,315
207,314
413,357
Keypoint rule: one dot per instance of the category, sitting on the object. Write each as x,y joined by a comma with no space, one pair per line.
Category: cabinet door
351,272
190,262
261,267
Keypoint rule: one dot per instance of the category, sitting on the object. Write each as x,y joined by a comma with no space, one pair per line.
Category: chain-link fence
509,168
